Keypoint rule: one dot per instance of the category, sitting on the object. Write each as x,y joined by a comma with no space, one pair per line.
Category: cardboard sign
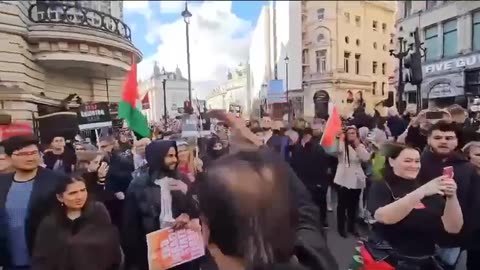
168,248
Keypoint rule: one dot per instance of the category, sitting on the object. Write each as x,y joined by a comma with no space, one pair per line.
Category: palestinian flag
130,107
331,130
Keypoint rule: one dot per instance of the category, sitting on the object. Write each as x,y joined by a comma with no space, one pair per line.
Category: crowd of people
259,199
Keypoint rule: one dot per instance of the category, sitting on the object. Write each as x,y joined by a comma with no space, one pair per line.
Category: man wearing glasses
26,197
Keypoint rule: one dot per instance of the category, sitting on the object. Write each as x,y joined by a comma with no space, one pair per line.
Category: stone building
346,53
450,31
52,49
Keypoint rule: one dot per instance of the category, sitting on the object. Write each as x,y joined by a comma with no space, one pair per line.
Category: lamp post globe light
186,18
286,86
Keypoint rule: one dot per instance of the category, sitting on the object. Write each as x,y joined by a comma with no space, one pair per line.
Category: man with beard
442,141
156,199
26,197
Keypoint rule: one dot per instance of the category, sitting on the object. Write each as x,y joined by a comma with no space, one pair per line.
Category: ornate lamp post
286,86
186,18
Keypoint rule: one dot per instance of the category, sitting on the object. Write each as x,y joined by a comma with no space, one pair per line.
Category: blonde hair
466,149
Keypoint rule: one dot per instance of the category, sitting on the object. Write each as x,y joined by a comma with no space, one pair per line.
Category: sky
220,34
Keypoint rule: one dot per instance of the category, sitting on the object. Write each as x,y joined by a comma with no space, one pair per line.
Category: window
320,13
320,37
407,8
384,27
347,17
357,63
346,61
347,40
430,4
375,45
431,42
450,38
384,68
357,42
375,25
383,88
357,21
321,61
384,47
374,88
476,31
374,67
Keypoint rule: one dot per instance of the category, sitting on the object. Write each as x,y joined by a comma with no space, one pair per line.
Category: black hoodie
468,188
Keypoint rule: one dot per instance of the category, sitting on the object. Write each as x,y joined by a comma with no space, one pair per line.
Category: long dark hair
62,187
346,143
246,203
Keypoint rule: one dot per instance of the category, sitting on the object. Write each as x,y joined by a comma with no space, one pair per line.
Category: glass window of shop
450,38
476,31
472,82
431,42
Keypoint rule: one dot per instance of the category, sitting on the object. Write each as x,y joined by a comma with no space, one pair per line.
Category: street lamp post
286,86
165,117
186,18
402,53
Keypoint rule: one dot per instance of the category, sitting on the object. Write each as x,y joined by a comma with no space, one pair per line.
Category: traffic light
414,61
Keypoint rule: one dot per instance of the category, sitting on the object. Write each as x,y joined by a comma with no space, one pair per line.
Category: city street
343,248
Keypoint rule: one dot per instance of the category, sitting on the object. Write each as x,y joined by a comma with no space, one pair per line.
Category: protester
155,198
60,158
123,143
395,123
26,197
214,151
242,187
472,152
310,163
5,163
418,130
410,216
78,234
310,245
442,142
118,177
350,180
186,160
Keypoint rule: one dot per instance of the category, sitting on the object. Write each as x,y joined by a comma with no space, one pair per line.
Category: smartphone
434,115
448,171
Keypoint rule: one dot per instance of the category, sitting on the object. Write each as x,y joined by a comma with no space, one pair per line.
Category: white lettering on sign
92,113
442,90
454,63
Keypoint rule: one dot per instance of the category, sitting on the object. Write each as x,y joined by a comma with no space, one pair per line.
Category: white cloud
219,40
172,6
140,7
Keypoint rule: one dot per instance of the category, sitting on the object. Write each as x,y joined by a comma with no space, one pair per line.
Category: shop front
447,82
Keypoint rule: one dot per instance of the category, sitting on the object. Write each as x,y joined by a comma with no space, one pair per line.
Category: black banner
94,113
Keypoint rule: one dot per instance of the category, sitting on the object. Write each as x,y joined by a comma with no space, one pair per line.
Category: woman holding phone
410,217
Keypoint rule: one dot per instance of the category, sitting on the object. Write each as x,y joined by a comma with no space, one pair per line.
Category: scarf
166,216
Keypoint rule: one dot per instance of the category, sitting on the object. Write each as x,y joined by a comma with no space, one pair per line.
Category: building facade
233,93
176,93
346,55
52,49
450,31
276,36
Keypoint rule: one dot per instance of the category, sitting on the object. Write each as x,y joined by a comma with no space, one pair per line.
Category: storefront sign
93,116
442,90
15,129
454,64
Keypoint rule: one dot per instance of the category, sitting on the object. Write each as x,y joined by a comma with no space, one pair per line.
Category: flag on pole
332,128
130,107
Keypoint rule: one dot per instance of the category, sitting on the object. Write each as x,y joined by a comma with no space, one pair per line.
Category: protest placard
168,248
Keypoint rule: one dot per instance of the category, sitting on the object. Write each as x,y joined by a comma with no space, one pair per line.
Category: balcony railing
59,13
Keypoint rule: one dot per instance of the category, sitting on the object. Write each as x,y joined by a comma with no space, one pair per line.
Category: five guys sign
94,115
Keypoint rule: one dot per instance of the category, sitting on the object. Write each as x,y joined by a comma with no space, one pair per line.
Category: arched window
320,37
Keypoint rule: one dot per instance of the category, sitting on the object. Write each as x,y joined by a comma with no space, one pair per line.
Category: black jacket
89,242
415,138
42,199
142,205
468,188
310,163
